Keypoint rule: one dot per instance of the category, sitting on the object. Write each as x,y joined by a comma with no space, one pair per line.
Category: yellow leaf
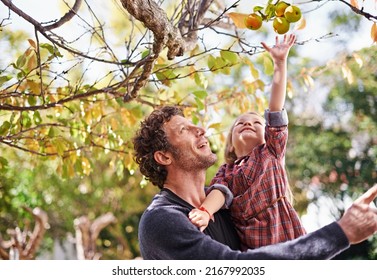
289,89
238,19
32,62
216,126
347,73
308,80
114,124
355,4
32,145
358,59
34,87
86,167
125,116
128,161
50,149
254,72
301,24
373,33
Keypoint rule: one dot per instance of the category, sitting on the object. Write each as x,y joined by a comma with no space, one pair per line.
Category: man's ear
162,158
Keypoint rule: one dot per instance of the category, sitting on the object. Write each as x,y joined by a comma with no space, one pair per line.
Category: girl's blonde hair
229,154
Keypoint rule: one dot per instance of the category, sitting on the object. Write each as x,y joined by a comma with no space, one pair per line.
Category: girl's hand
280,51
199,218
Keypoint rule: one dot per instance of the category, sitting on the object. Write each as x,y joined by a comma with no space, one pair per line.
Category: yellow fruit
280,8
280,25
292,13
253,21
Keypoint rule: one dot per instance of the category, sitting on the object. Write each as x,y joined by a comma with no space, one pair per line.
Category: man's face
191,150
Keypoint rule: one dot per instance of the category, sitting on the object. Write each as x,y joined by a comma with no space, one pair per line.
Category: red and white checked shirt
261,212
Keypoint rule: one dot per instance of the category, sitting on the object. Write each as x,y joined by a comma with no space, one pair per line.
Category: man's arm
167,233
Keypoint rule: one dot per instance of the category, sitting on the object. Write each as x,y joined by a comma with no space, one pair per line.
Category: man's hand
360,220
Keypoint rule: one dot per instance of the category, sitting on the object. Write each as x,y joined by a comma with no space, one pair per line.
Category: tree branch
67,17
87,234
358,11
40,227
19,246
43,30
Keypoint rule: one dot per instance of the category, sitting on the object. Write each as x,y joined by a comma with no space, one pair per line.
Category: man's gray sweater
165,232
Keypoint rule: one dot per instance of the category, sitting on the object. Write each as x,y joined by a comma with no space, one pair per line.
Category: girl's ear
163,158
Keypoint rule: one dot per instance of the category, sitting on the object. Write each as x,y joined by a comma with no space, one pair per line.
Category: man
174,155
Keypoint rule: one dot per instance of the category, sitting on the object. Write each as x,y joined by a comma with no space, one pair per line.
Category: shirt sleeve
220,177
276,118
224,189
276,134
168,234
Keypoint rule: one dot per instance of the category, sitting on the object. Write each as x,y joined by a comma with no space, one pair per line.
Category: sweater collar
172,197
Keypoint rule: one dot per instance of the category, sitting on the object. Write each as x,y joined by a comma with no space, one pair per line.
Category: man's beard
191,162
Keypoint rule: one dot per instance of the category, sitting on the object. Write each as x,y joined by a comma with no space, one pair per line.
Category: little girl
255,169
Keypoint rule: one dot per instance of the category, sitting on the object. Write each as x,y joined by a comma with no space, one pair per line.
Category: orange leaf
373,33
301,24
355,4
238,19
32,43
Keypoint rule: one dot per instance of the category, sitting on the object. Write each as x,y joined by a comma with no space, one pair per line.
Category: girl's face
247,133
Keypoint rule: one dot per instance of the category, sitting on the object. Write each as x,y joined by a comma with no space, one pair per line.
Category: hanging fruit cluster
282,14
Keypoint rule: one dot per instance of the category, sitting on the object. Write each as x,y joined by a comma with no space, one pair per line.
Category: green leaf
37,118
194,119
257,8
52,132
211,63
31,100
200,80
59,145
25,120
268,65
3,163
270,11
199,104
48,47
229,56
137,112
21,61
52,50
4,79
145,54
201,94
166,76
4,128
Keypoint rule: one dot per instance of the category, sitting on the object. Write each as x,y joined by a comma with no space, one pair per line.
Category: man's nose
200,131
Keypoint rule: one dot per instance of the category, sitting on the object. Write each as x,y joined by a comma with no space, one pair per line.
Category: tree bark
87,233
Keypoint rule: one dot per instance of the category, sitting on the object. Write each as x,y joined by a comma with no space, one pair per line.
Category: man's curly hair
151,138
